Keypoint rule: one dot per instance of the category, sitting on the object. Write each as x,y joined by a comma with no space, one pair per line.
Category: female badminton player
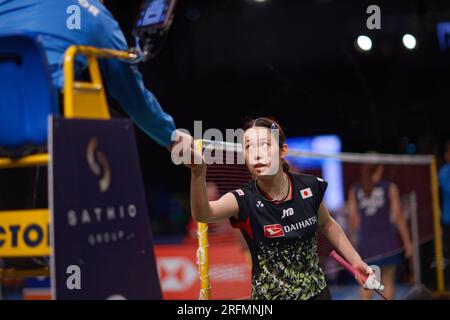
278,213
376,215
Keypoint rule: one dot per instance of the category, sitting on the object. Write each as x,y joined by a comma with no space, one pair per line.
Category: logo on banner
99,164
176,273
306,193
24,233
273,231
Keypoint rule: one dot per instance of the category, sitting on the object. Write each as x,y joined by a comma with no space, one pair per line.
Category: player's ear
284,151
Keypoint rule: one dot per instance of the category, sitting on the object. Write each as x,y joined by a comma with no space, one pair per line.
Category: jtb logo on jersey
287,213
306,193
273,231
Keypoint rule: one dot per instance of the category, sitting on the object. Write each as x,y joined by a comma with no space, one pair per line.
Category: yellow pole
69,79
203,261
437,229
202,252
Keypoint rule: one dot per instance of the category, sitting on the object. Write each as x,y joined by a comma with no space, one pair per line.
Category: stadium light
364,43
409,41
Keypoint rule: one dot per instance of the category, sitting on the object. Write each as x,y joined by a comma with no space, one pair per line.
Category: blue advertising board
100,230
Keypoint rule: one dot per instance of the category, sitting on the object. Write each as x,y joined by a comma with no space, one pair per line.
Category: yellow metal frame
14,273
437,229
202,252
28,161
81,100
80,96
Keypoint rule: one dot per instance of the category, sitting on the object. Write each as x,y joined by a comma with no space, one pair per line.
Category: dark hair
367,172
269,124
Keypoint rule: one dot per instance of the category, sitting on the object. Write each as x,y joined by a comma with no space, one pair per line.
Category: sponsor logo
102,216
99,164
177,274
24,233
287,213
300,225
273,231
259,204
240,192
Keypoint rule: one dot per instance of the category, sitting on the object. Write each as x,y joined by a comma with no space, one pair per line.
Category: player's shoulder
387,184
306,179
246,189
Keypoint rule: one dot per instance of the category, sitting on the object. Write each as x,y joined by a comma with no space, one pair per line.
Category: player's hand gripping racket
370,282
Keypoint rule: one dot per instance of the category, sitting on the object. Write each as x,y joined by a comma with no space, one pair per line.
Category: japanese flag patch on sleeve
306,193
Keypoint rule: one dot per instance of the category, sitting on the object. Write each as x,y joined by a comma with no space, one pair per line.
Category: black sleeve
241,198
321,188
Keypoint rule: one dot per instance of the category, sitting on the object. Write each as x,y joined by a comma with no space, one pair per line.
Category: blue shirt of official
49,20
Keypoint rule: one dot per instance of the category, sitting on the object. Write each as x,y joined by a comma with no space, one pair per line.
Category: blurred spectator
374,211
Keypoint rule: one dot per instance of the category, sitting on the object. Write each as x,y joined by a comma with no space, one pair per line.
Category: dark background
227,60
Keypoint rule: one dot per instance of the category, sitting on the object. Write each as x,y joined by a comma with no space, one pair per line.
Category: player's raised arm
202,209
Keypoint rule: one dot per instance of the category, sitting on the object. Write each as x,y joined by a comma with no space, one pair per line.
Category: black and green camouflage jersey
281,239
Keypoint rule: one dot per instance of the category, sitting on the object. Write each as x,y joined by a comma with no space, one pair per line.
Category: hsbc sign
177,274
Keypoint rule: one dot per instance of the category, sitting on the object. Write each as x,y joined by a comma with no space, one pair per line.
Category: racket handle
347,265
